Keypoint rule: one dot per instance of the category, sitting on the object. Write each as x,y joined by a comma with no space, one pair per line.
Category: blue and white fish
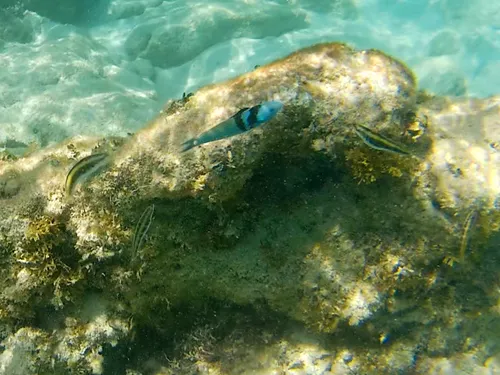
244,120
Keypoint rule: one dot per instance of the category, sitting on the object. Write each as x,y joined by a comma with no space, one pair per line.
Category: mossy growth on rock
368,166
45,269
298,221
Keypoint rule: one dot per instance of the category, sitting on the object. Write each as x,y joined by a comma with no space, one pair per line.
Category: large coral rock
465,157
297,218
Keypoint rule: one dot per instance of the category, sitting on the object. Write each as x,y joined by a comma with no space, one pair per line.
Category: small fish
470,221
244,120
141,229
377,141
85,169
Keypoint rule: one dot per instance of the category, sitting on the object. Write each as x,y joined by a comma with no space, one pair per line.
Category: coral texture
296,221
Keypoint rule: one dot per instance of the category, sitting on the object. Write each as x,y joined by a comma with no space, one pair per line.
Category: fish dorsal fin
253,116
238,119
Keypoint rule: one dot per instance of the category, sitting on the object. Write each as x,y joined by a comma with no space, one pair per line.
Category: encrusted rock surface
296,221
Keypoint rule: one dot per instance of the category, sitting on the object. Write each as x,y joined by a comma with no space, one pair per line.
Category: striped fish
469,223
378,142
84,169
244,120
142,228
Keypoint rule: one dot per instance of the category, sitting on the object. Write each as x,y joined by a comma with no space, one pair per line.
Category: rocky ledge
169,261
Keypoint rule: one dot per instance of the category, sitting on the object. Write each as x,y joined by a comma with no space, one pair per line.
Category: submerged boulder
298,219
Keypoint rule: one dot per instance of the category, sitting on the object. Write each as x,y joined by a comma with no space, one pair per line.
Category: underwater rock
168,43
344,9
61,11
442,76
17,357
445,42
460,180
299,219
464,158
38,82
75,345
16,27
481,77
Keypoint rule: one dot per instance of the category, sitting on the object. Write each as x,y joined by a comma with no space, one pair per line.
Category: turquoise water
105,67
331,256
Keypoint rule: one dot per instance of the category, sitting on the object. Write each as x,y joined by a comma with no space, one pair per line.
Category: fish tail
189,144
